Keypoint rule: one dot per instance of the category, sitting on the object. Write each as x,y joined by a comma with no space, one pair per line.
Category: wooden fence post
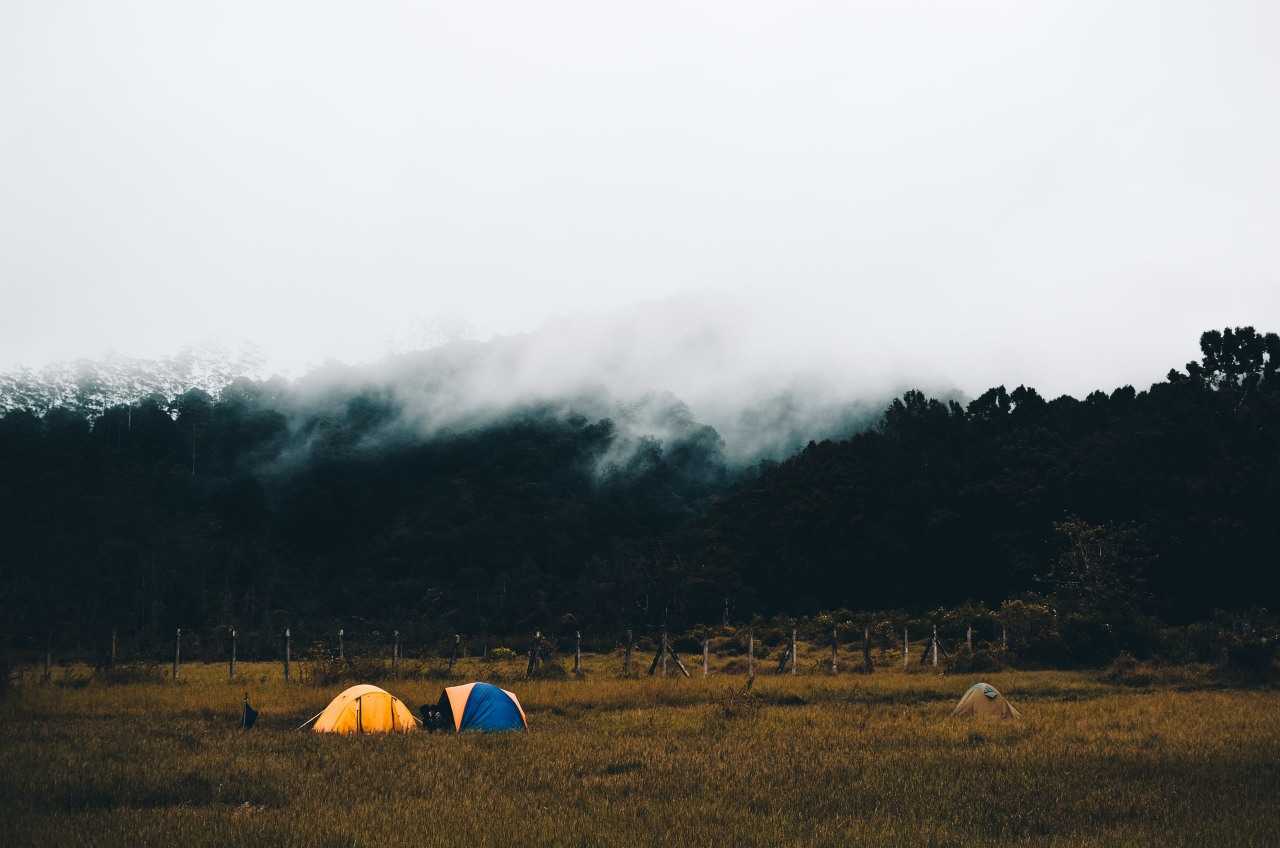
664,650
48,657
113,648
626,657
231,664
725,620
342,654
706,653
867,667
1004,635
794,658
288,637
535,653
906,648
577,652
934,645
835,645
177,653
968,638
457,644
751,653
395,653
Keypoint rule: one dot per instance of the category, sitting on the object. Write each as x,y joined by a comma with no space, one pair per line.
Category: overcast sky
1059,193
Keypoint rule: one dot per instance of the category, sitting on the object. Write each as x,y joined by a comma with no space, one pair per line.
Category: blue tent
483,707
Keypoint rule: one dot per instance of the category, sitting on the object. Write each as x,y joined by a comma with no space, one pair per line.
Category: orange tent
365,709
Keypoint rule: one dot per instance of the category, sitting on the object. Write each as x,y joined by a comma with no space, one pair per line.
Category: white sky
1058,193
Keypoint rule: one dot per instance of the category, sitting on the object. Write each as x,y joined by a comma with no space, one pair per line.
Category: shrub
1139,635
1047,650
127,673
1252,658
1126,670
500,654
771,636
686,645
728,646
739,703
321,666
1092,642
550,670
1203,642
735,644
984,659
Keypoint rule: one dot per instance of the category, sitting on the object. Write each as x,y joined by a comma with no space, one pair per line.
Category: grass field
805,760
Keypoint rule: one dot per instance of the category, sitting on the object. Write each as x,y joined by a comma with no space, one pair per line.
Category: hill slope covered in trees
277,504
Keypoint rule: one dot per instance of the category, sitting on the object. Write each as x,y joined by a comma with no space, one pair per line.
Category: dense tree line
271,505
942,502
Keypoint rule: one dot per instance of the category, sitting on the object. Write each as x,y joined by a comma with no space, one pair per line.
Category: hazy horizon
708,199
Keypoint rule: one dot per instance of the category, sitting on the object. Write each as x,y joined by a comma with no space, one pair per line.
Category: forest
270,504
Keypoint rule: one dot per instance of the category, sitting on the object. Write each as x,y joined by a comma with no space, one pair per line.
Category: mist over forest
416,494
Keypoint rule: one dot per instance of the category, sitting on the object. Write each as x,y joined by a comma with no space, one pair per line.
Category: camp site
566,746
650,424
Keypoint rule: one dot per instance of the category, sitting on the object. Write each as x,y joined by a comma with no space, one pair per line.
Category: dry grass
806,760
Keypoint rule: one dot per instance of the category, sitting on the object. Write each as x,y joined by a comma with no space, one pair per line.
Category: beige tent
365,709
982,700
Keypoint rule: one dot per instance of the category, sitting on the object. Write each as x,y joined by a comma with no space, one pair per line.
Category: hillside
279,503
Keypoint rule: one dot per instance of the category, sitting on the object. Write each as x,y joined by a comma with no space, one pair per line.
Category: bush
739,703
1126,670
1139,635
550,671
128,673
1203,642
735,644
321,666
1252,658
728,646
983,659
500,654
771,636
1092,642
1047,650
686,645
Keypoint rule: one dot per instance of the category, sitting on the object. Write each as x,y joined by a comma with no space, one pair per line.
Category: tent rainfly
480,706
982,700
365,709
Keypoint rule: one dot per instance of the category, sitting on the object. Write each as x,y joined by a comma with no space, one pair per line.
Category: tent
480,706
365,709
982,700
